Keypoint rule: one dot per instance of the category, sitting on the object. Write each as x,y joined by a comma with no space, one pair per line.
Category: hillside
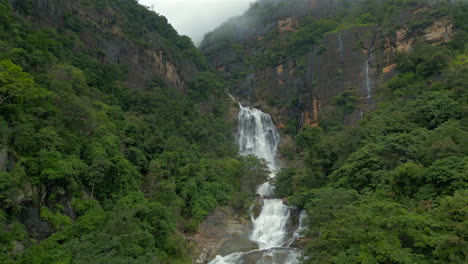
370,97
114,139
292,58
121,32
119,140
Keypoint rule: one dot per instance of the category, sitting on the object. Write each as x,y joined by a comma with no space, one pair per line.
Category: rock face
298,88
223,232
438,31
36,226
102,33
288,24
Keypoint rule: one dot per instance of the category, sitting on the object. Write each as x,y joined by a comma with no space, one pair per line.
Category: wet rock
223,224
236,245
277,255
68,209
224,230
300,242
246,87
256,208
35,225
293,224
18,248
253,258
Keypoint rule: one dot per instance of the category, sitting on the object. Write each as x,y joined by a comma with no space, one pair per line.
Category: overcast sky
194,18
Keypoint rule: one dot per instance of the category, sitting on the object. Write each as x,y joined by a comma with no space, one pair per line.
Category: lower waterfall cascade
258,135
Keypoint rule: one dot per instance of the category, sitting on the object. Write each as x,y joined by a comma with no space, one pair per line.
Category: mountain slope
121,32
391,188
114,139
292,58
117,140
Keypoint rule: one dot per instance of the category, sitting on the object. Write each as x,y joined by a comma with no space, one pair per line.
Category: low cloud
195,18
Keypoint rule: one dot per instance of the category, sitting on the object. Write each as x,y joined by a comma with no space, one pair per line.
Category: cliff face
103,31
356,57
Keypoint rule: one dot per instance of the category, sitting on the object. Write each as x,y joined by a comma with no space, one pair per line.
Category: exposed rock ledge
223,232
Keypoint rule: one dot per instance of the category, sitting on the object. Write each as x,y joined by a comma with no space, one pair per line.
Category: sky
195,18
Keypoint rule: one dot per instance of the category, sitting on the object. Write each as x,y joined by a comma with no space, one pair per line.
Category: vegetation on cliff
394,188
293,57
94,172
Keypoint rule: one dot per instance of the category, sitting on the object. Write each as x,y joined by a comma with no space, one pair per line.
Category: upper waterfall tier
257,135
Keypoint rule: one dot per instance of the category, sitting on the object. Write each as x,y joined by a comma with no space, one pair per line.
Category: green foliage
204,85
140,166
11,231
375,231
310,33
57,219
136,22
382,192
332,117
136,230
254,172
16,86
283,182
424,61
407,179
379,12
117,173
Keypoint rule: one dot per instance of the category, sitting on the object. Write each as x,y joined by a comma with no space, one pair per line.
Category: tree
16,86
254,172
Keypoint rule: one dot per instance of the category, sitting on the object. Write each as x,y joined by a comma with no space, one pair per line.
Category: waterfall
368,79
299,233
341,48
368,88
270,228
258,135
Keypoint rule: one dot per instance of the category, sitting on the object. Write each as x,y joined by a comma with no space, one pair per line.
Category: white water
270,228
368,87
368,78
258,135
299,233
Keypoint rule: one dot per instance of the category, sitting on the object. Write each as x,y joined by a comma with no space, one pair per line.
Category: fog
195,18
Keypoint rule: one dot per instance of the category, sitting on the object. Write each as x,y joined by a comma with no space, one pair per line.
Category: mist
195,18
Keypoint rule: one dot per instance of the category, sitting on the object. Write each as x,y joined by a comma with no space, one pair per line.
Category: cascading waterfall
270,228
258,135
299,233
368,79
368,88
